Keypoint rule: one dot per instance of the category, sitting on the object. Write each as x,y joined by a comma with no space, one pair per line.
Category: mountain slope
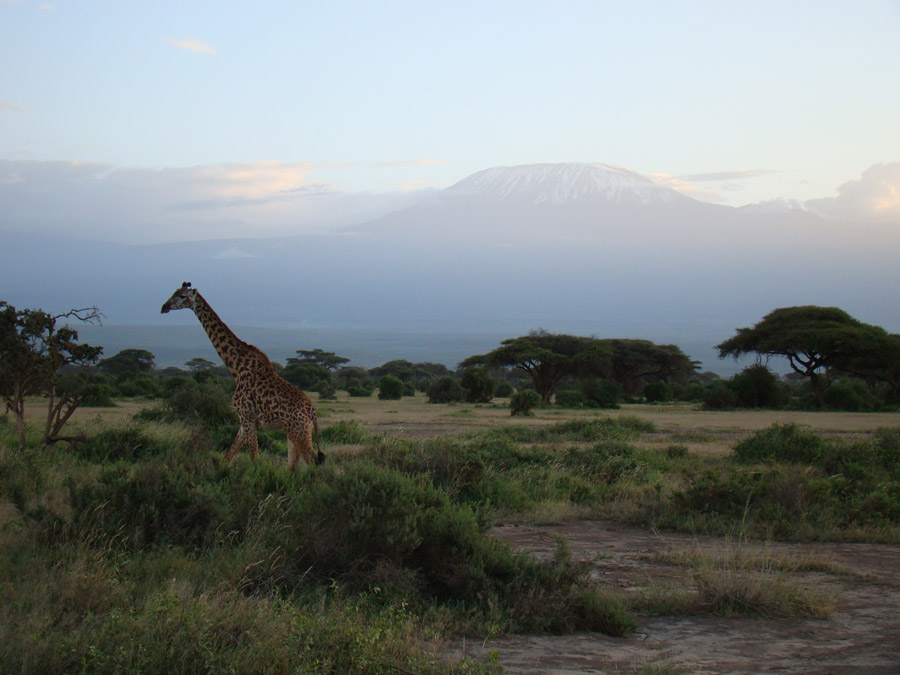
565,183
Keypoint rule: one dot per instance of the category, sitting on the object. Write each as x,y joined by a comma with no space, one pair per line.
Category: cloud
136,205
428,161
192,45
722,176
7,105
875,196
686,188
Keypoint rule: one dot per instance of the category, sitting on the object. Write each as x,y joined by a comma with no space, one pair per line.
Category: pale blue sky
735,102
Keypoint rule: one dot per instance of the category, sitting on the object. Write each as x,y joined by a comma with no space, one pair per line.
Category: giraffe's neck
226,343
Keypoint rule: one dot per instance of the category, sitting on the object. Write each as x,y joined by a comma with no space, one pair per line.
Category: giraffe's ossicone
262,399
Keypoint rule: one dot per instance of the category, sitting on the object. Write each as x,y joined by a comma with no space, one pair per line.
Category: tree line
836,361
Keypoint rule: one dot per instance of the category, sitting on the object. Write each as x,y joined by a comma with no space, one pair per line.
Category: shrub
444,390
114,443
719,397
756,387
390,388
503,389
478,387
141,386
358,391
372,527
522,402
97,395
569,398
326,391
852,395
658,392
781,442
345,432
601,394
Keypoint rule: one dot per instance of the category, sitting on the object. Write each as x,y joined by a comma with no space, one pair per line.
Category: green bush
390,388
658,392
478,386
569,398
358,391
326,391
370,526
601,394
503,389
115,443
344,432
852,395
756,387
144,386
781,442
444,390
522,402
97,395
719,397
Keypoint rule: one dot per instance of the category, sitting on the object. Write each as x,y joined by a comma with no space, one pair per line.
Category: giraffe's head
183,297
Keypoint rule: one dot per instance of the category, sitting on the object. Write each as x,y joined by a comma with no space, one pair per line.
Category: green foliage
658,392
546,358
390,388
345,432
114,443
208,402
601,393
444,390
781,442
143,386
33,349
756,387
305,375
719,396
801,483
815,339
326,391
522,402
478,386
359,391
503,389
128,363
569,398
852,395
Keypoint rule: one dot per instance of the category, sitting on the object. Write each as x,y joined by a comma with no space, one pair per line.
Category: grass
141,547
738,582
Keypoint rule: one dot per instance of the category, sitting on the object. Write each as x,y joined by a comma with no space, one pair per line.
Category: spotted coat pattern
262,399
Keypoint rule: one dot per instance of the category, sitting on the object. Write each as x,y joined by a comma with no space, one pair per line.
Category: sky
144,122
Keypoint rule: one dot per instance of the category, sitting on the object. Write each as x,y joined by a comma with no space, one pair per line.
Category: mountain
589,249
564,183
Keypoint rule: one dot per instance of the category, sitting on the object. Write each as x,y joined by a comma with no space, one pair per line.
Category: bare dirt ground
861,636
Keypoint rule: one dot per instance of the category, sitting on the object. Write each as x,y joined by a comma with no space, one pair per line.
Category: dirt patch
862,635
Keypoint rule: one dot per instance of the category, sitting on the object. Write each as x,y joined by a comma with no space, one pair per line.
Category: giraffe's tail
320,457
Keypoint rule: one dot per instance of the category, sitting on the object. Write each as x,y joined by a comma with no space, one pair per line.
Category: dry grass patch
739,582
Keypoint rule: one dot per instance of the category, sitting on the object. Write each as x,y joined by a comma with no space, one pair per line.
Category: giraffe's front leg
247,432
238,443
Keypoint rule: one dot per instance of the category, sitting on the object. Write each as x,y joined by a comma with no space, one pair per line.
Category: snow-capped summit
562,183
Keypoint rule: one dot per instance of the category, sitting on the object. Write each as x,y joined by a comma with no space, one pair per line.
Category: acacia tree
547,358
818,342
33,348
636,362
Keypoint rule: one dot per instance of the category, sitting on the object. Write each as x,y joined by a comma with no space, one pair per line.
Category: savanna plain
454,538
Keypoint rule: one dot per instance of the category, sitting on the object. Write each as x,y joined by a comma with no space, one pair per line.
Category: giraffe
261,398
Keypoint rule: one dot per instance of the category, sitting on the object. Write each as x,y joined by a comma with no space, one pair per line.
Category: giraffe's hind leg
299,445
